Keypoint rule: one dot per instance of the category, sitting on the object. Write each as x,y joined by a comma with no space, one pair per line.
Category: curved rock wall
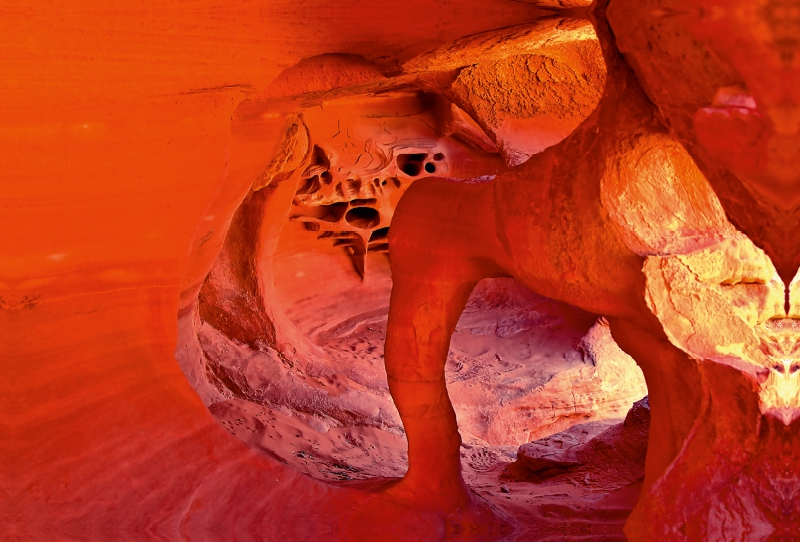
634,160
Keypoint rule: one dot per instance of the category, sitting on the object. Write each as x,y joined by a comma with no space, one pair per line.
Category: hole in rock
411,164
363,217
308,186
287,348
379,247
320,158
353,187
379,234
360,202
510,359
328,213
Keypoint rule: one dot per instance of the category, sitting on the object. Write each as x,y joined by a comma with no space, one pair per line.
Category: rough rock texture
366,154
588,501
544,383
559,451
528,102
599,445
520,366
669,207
322,73
732,101
542,37
589,493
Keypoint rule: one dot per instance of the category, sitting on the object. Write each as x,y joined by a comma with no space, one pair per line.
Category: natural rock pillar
436,249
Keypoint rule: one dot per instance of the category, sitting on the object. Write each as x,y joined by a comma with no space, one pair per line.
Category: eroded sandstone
404,180
611,209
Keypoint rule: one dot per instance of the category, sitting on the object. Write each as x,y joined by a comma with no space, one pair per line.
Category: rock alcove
438,275
557,175
289,326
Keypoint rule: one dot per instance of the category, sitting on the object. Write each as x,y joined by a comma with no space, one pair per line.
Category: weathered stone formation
275,339
286,346
429,244
621,219
607,449
645,172
366,153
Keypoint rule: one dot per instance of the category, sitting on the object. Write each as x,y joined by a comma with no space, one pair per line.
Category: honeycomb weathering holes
411,164
363,217
345,191
366,154
382,233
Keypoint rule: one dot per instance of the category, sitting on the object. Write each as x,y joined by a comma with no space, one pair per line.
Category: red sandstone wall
117,142
114,128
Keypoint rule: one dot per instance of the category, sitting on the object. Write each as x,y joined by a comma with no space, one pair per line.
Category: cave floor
506,357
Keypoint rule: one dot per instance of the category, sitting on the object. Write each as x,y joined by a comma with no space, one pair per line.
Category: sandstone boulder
594,444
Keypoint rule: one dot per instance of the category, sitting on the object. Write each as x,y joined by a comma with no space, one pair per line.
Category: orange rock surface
345,270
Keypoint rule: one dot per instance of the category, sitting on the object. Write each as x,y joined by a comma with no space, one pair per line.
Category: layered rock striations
512,153
290,321
437,251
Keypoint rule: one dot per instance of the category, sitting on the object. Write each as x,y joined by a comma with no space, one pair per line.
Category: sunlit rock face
492,251
292,318
725,76
425,256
